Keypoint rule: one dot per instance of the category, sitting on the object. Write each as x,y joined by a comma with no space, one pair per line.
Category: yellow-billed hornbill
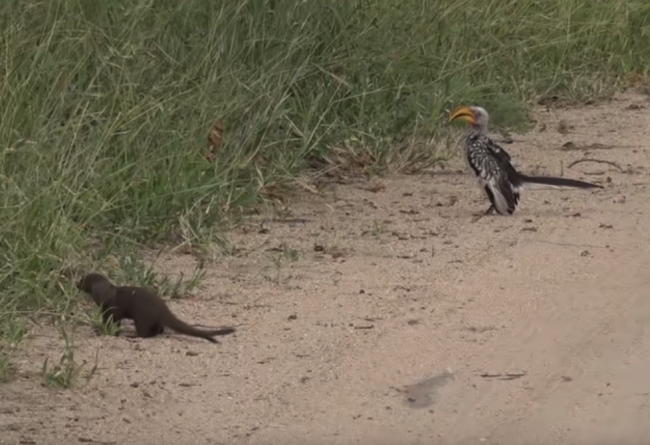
492,166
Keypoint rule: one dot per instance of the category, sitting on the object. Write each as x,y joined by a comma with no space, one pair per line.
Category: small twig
600,161
288,220
307,187
593,246
371,319
503,376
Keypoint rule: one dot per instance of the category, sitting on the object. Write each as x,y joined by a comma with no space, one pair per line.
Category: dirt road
390,318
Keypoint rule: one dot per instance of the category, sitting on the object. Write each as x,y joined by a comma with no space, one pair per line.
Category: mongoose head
86,282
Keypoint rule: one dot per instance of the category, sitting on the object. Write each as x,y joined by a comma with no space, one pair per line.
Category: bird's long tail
557,182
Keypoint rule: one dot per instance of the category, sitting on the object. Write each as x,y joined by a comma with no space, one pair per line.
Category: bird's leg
481,215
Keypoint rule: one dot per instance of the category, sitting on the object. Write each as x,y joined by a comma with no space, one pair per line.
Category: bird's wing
492,166
498,151
505,161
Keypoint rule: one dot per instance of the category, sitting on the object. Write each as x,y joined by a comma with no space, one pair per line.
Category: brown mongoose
149,312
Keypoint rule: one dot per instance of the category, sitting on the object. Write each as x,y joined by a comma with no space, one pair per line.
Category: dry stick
504,376
600,161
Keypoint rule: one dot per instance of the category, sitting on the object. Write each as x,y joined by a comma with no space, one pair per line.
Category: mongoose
148,311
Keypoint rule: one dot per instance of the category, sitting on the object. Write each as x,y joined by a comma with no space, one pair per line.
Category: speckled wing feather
491,165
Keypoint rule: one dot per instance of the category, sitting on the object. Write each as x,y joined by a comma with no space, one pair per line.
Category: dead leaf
215,140
376,187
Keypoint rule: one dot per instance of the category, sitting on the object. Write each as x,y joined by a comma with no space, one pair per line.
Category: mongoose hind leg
158,329
147,329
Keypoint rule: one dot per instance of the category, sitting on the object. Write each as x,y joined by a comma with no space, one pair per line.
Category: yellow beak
463,113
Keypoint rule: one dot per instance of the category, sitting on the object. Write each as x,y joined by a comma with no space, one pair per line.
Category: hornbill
492,166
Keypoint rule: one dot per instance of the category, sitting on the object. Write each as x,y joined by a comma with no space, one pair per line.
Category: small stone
564,127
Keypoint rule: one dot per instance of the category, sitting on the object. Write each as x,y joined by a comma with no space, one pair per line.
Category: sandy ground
388,317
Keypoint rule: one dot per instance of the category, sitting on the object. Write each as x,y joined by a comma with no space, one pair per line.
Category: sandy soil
401,321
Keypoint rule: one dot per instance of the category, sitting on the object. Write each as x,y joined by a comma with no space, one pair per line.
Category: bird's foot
478,216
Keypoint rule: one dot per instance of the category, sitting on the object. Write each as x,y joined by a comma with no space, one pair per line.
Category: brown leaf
215,140
376,187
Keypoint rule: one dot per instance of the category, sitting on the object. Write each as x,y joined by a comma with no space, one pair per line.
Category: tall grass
106,105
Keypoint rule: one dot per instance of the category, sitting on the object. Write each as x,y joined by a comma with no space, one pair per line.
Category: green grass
67,372
106,106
